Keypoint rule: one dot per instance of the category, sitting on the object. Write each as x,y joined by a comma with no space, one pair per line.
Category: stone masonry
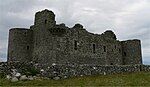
47,43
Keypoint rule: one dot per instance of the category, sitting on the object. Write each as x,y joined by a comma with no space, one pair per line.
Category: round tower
109,35
45,18
19,45
42,37
131,52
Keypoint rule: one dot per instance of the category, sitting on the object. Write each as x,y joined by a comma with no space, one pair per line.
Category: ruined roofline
108,33
48,15
81,27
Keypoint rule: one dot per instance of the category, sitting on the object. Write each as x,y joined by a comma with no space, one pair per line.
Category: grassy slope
130,79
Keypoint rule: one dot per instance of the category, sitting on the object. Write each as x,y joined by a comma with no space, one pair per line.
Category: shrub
32,71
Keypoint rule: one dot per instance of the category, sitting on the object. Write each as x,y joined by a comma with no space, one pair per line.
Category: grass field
126,79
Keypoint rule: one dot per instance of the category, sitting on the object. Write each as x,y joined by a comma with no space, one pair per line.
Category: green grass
126,79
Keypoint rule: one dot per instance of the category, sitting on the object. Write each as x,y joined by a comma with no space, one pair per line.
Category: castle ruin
47,44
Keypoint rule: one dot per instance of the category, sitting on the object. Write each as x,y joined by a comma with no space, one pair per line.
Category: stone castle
56,50
48,43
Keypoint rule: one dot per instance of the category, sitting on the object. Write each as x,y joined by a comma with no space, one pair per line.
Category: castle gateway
47,43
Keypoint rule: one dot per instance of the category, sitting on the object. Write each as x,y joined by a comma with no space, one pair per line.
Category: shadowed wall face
20,44
132,52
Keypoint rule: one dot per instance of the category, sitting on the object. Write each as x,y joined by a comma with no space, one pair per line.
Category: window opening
27,47
75,45
120,50
123,61
104,48
94,48
45,21
125,54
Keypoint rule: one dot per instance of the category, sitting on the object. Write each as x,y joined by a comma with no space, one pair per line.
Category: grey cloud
129,19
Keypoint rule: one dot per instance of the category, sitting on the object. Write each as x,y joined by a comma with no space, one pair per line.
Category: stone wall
4,68
82,70
65,71
146,68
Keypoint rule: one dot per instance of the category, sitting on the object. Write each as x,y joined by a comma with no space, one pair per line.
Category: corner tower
131,50
19,45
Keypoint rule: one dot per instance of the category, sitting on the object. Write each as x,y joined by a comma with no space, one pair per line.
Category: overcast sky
129,19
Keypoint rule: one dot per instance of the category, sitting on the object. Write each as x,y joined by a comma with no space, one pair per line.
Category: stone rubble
14,79
65,71
23,78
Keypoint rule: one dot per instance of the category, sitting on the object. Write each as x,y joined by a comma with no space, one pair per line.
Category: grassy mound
126,79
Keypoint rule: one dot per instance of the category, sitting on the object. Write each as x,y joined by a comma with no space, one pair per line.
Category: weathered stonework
65,71
47,44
